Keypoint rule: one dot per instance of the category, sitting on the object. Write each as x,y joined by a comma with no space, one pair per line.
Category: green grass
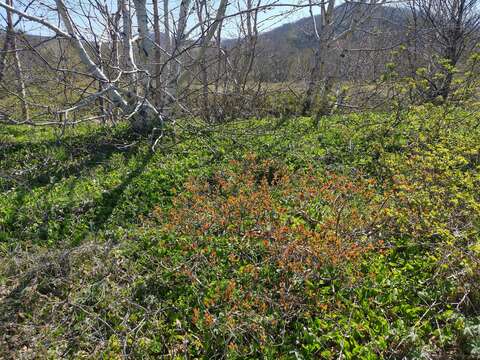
94,265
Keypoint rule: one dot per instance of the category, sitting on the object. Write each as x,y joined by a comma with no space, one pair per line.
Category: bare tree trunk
146,45
168,46
7,45
174,78
10,45
218,111
201,7
101,100
321,82
21,90
318,79
158,56
219,56
252,33
113,29
128,59
207,37
9,41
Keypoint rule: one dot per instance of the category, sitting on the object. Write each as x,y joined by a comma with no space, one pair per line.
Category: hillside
301,35
282,52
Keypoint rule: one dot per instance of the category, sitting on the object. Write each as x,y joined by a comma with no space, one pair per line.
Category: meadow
351,236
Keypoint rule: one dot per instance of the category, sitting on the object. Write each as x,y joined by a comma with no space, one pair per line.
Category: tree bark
10,45
158,56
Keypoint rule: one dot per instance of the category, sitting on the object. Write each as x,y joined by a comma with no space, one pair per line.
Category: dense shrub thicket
357,236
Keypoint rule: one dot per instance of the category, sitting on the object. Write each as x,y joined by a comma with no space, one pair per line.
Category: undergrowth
357,237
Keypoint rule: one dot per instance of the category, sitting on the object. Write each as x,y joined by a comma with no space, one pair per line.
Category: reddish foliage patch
304,220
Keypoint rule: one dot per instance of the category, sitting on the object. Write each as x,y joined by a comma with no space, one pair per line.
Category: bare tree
202,59
10,46
330,28
447,30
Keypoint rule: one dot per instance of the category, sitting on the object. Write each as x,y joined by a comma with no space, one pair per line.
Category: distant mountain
301,35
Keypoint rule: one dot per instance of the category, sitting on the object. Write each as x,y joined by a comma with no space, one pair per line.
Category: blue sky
85,15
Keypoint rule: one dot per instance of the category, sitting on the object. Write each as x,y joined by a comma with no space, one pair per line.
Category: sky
86,16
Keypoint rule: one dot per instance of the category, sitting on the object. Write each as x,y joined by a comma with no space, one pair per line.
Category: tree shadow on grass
109,201
88,151
72,221
55,269
80,154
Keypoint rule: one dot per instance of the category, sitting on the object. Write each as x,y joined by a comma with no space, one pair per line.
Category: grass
266,238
